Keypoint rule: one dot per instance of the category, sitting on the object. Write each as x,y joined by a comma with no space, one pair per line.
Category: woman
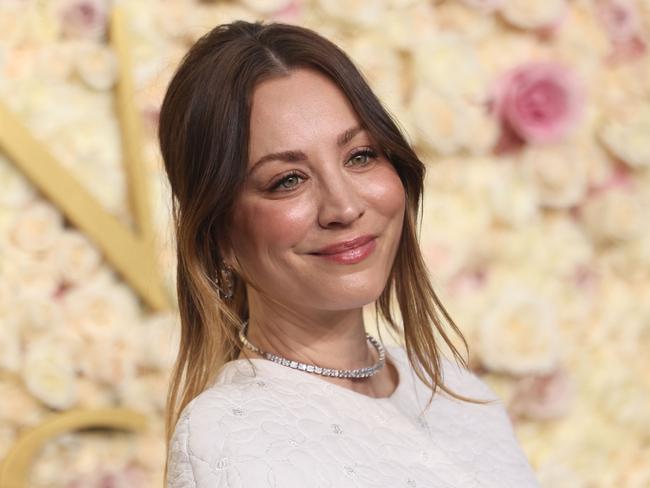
295,199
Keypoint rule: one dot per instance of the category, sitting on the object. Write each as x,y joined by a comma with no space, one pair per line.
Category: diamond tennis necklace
312,368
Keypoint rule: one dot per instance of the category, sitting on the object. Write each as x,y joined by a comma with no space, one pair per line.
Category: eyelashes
293,174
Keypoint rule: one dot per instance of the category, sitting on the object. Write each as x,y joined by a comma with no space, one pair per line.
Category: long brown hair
203,132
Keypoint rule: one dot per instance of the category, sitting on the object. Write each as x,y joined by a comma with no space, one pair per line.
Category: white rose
101,309
78,258
382,66
110,361
471,23
37,227
367,14
511,196
96,65
18,407
28,273
449,65
407,26
614,215
624,393
14,21
529,246
93,394
559,172
482,130
36,311
519,334
483,5
159,338
49,375
444,257
54,62
265,7
533,14
438,121
629,260
145,393
15,190
627,134
10,349
455,214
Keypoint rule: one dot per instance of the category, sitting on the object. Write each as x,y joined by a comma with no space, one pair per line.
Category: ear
226,251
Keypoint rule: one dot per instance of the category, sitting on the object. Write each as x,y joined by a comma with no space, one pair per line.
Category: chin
353,298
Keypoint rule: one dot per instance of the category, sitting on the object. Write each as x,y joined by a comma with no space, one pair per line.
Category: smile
353,255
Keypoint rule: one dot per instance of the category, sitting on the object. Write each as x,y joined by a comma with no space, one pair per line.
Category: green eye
365,156
287,179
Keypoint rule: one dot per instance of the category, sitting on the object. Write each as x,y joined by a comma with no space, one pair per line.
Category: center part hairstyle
204,134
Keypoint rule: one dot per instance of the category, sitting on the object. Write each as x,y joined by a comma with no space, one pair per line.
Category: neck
330,339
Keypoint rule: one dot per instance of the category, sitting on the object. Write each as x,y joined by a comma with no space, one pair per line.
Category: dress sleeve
179,467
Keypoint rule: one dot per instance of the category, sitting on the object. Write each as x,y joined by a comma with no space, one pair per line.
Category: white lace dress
286,428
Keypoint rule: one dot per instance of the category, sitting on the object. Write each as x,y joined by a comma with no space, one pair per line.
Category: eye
363,156
287,182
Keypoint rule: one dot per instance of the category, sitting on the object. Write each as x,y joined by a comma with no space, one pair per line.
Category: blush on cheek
386,192
277,223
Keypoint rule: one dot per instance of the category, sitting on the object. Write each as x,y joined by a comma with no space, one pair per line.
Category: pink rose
543,397
86,19
620,19
540,102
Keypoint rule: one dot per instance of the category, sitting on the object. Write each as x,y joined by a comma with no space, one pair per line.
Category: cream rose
19,408
438,121
49,375
533,14
110,361
559,173
407,26
519,334
79,259
101,309
159,339
37,227
627,134
15,190
512,196
543,397
10,348
266,7
96,65
29,273
449,65
362,12
36,311
613,215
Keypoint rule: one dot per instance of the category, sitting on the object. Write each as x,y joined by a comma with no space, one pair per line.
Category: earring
227,279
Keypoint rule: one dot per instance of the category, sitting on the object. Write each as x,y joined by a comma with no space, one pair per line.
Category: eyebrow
292,156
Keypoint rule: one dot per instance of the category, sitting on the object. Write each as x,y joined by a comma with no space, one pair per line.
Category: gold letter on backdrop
131,251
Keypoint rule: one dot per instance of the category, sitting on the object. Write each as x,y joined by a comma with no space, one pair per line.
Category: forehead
295,110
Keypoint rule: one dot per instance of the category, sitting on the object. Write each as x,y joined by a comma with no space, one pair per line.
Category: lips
340,247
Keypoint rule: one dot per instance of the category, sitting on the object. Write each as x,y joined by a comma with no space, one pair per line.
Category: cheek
386,192
264,225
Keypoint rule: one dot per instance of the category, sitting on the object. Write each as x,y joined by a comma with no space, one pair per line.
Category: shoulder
198,443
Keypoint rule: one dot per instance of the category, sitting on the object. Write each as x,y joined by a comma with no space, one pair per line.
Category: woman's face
315,179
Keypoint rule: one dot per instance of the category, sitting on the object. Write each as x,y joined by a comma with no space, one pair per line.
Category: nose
341,201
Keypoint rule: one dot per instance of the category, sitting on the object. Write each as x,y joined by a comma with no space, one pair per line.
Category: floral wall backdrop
533,117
